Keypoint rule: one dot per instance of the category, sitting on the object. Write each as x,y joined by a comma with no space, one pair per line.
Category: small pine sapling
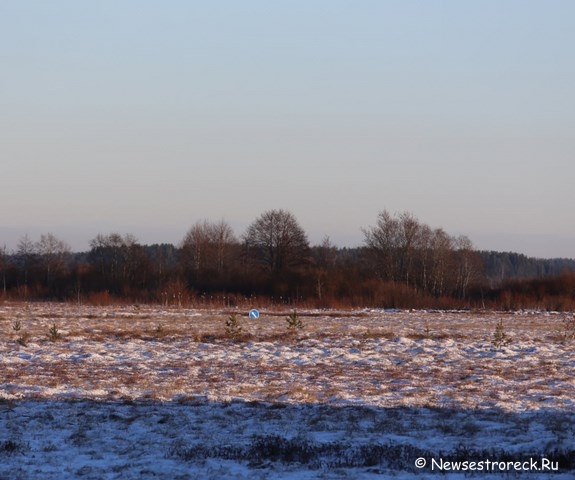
24,336
500,338
233,327
293,321
53,333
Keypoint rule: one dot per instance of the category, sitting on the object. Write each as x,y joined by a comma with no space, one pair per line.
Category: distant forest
403,263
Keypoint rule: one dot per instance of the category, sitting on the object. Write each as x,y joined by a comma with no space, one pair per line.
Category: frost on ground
142,392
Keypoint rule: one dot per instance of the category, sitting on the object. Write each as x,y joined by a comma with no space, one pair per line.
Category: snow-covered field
147,392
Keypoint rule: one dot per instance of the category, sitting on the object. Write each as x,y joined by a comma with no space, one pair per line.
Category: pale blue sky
144,117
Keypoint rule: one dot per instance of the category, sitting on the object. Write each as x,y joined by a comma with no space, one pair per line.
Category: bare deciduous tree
208,246
403,249
383,240
3,266
324,258
441,267
469,265
276,240
120,260
53,255
26,258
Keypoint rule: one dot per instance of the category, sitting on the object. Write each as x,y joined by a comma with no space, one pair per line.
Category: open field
145,392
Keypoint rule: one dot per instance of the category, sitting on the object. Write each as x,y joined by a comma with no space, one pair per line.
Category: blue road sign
254,313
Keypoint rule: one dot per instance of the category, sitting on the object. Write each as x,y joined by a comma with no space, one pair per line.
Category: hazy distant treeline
403,263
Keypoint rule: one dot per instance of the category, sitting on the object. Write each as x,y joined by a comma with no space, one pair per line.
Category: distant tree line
500,267
403,263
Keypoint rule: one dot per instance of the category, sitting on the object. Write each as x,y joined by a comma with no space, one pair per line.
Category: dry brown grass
166,356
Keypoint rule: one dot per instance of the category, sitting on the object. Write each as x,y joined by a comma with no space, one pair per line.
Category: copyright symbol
420,462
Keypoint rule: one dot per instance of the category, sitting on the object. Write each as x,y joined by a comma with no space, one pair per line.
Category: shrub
568,332
12,447
23,339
